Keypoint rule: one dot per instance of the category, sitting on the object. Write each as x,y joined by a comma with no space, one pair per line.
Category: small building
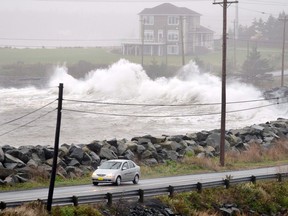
169,30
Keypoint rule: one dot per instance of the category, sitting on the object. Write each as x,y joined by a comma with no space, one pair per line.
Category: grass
57,56
265,198
107,56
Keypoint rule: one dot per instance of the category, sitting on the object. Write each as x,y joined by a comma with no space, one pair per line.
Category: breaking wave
130,95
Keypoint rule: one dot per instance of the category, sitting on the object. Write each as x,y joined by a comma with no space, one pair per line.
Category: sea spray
188,102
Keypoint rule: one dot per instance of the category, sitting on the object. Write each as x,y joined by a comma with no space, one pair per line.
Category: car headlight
110,175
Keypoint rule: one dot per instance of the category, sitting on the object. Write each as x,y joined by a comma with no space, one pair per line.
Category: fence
141,194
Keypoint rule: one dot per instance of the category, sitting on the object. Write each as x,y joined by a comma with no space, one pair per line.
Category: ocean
121,101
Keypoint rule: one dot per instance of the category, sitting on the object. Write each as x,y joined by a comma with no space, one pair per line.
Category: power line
131,1
41,116
167,105
139,116
169,116
8,122
59,40
270,3
119,42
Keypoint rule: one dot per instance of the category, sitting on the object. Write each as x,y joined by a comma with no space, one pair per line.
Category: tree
254,67
261,30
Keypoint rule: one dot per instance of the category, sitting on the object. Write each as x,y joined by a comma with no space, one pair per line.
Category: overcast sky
93,22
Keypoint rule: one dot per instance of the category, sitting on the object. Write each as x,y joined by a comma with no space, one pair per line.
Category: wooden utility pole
182,39
236,30
285,19
56,148
142,41
224,4
165,48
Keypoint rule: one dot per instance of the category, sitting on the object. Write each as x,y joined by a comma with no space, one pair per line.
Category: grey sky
94,22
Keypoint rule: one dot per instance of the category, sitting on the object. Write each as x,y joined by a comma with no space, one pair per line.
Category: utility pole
224,4
165,35
234,46
142,41
182,40
56,148
236,26
284,19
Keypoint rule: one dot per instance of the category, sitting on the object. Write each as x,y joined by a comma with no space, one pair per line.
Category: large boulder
192,136
11,165
2,156
4,172
146,154
6,148
10,159
150,161
76,153
95,146
48,152
74,171
140,149
170,145
172,155
37,159
129,155
18,154
86,160
122,147
113,142
132,145
213,140
107,153
31,163
63,151
74,162
202,135
39,151
95,157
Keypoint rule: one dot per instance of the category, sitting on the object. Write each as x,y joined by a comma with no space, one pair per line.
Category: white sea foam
125,82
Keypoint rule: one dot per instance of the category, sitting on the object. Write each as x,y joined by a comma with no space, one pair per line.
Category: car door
125,172
133,170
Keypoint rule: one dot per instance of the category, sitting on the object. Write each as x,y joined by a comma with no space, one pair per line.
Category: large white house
170,30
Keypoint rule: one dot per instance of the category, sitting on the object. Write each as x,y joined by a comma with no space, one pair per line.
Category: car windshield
110,165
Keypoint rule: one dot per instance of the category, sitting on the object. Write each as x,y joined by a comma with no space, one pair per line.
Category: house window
173,49
149,35
173,20
173,35
148,20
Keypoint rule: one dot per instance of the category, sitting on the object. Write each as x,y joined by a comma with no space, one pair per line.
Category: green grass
263,198
107,56
57,56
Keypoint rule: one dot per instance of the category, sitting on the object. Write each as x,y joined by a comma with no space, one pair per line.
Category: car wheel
136,179
118,181
95,183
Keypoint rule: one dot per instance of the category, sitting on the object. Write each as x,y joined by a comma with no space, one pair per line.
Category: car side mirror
124,168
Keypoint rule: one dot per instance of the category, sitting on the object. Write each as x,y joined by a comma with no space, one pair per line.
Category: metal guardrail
170,190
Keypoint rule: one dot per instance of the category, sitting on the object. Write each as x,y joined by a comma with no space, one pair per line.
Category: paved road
143,184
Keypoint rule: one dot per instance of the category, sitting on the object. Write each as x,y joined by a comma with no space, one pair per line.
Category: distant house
170,30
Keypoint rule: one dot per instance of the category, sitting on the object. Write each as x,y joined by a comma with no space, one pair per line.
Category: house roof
167,8
202,29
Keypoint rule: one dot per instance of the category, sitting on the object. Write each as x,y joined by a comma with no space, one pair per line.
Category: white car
116,171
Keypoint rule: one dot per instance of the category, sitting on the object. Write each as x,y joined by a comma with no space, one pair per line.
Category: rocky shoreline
25,162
